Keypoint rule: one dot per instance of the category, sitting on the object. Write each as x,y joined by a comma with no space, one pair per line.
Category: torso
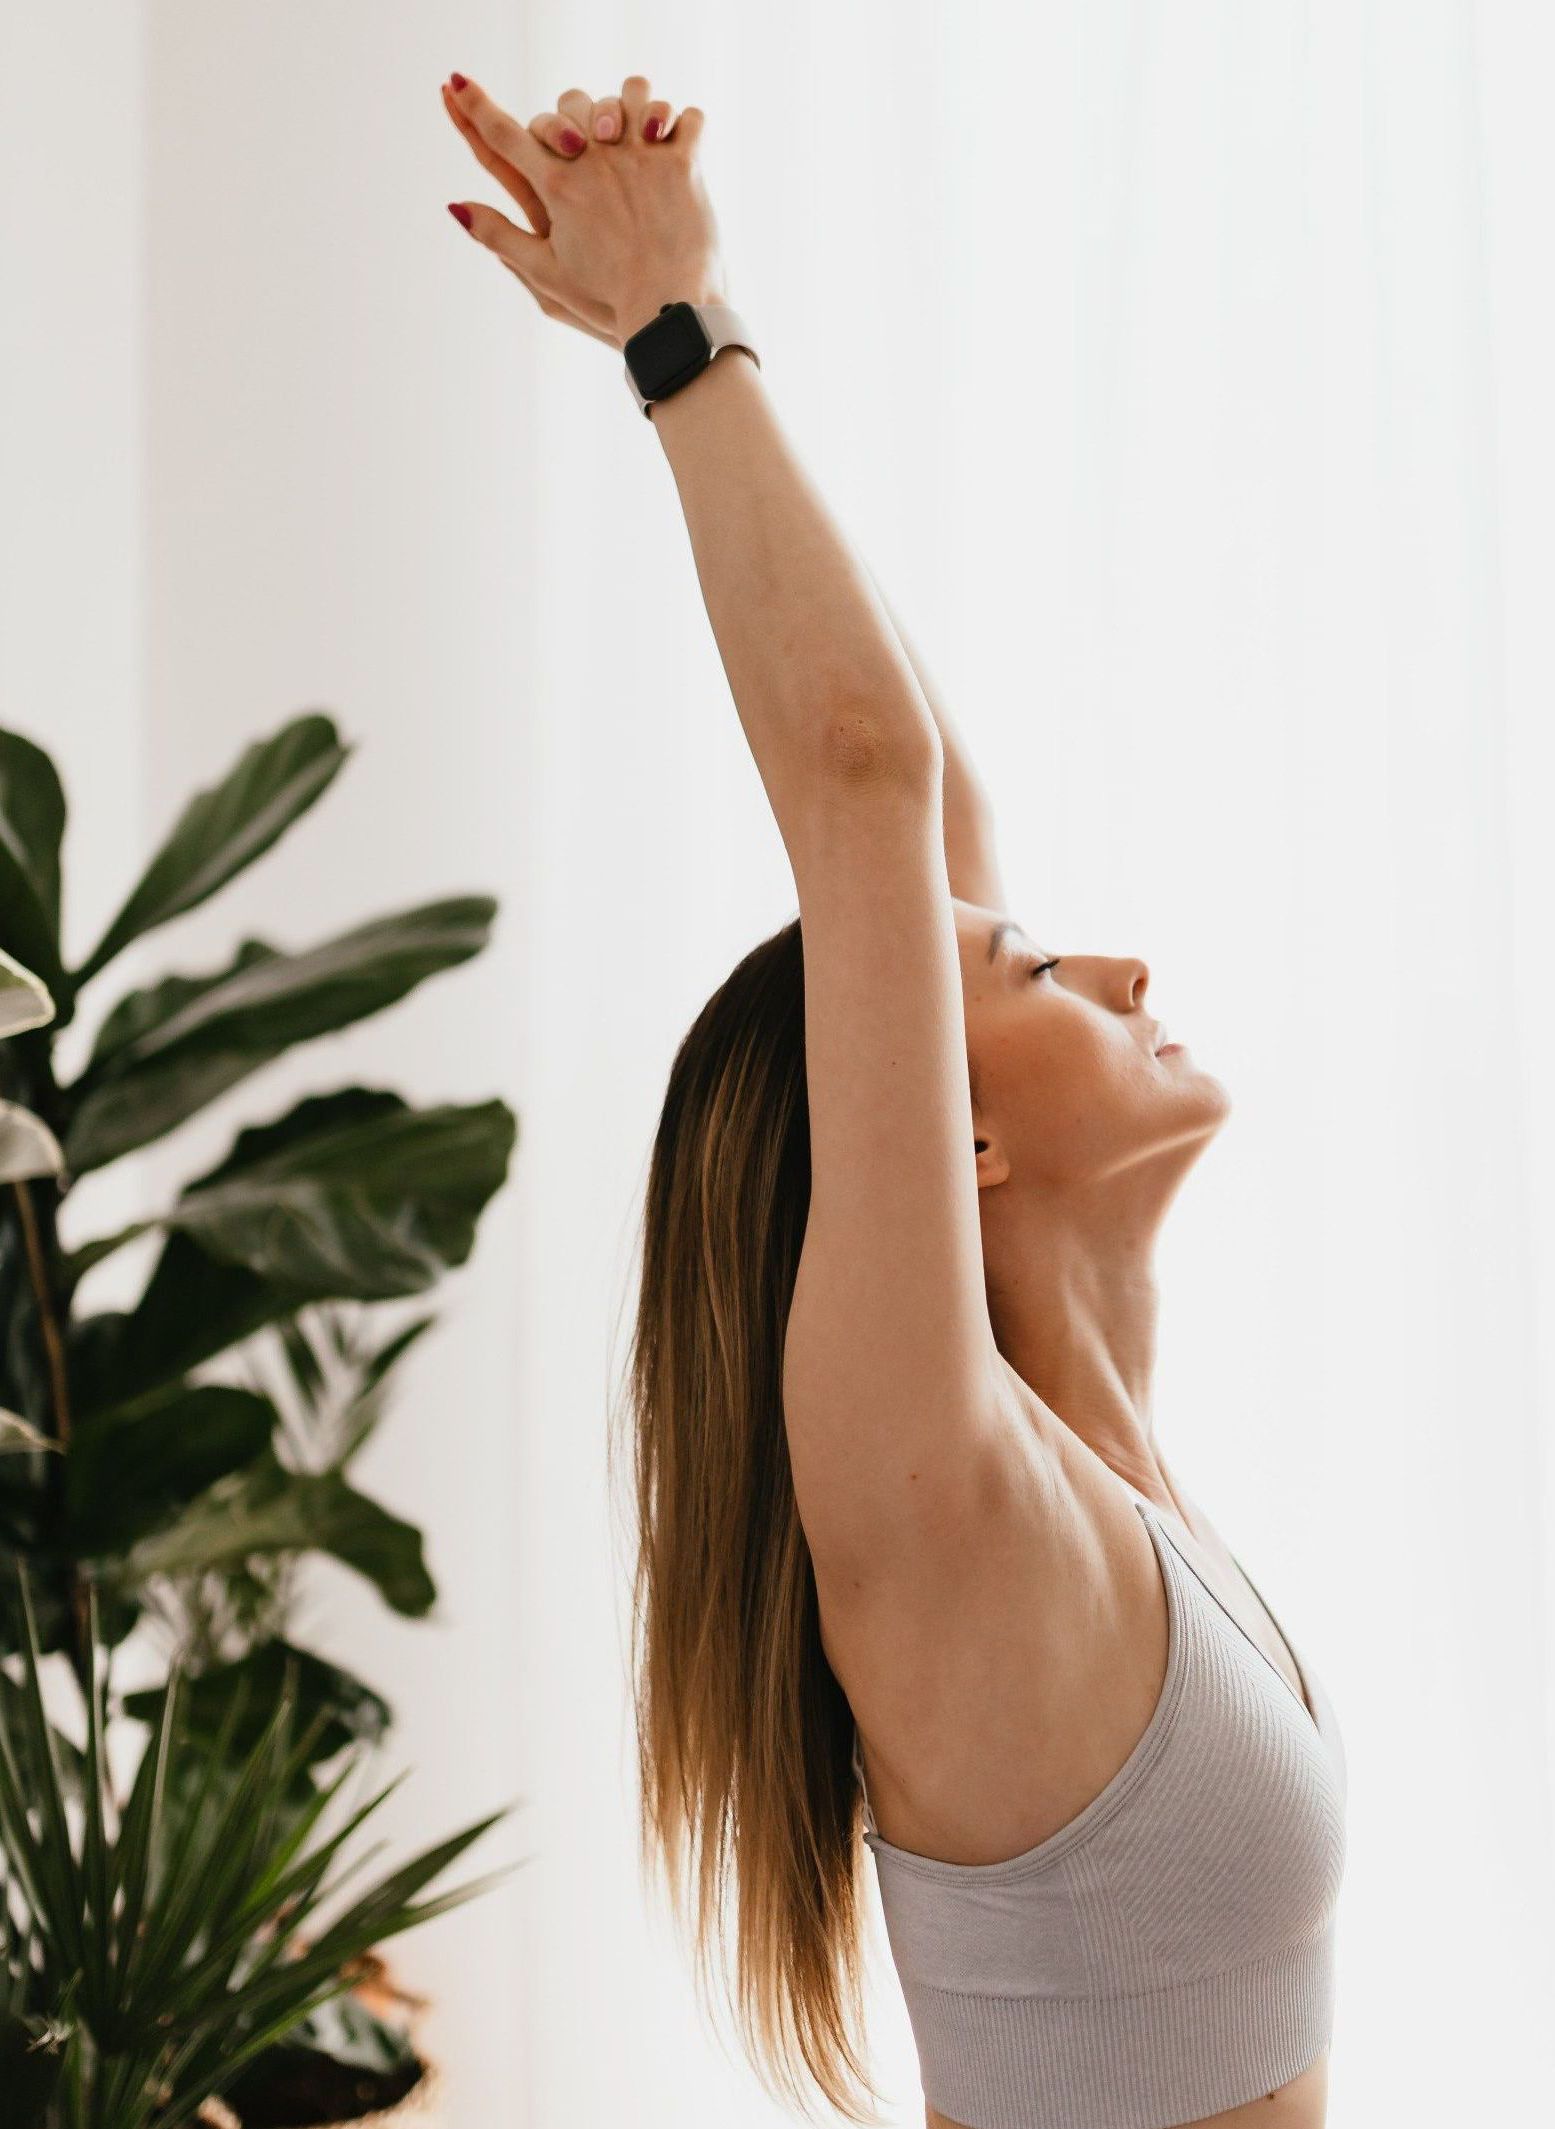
971,1695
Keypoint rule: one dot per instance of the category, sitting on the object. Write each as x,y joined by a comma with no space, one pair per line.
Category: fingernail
457,81
652,128
571,142
461,215
605,126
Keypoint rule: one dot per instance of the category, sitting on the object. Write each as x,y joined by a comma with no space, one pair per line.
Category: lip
1169,1049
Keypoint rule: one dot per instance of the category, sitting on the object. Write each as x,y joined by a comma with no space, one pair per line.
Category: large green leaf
129,1470
32,823
367,1198
350,1195
336,1708
268,1509
113,1111
164,1052
363,1196
192,1308
270,1000
225,828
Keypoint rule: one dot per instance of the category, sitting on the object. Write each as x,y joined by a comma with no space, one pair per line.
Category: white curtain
1182,371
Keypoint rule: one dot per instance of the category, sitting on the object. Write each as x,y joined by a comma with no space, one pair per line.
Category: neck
1073,1300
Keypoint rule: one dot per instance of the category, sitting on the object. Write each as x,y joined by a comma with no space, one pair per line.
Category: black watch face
668,350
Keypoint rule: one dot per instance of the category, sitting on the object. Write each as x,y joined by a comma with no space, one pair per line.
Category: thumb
530,257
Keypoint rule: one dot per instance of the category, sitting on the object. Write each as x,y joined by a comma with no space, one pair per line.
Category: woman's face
1067,1084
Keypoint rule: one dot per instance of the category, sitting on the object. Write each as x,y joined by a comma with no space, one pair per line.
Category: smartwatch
678,345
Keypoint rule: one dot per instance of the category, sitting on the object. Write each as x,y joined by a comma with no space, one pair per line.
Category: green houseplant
139,1482
151,1954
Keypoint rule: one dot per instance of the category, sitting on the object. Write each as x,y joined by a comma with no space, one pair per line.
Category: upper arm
890,1365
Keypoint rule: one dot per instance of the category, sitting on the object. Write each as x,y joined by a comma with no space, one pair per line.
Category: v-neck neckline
1303,1699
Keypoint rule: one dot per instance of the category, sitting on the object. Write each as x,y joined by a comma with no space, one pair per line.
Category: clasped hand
620,218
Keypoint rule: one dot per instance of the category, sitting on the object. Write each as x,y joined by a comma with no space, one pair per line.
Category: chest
1217,1570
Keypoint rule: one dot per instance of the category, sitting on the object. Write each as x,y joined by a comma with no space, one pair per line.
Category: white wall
72,459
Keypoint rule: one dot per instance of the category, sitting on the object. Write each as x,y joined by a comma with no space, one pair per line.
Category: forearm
808,647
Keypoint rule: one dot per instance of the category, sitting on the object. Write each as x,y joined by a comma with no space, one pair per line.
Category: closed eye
1039,967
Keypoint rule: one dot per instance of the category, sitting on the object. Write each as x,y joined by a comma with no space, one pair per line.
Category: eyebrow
998,932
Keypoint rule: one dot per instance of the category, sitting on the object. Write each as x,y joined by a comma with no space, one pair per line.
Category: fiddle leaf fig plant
173,1464
132,1458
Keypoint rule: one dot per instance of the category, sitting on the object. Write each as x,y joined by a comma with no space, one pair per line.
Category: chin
1195,1087
1214,1092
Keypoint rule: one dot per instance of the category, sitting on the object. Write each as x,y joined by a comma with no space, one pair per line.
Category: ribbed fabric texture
1170,1952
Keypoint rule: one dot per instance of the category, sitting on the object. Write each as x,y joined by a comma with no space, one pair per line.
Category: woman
911,1555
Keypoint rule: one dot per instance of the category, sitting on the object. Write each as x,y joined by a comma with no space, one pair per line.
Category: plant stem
59,1392
48,1321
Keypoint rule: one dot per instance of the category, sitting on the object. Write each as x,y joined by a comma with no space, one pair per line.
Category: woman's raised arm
623,226
892,1386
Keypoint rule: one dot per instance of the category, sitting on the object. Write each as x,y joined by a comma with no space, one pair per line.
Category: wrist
669,414
643,304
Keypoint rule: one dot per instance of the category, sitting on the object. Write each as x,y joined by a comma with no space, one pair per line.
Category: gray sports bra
1170,1952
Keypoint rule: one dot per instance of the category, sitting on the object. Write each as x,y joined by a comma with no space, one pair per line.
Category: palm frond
150,1954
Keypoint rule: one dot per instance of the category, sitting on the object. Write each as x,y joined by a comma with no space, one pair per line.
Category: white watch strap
725,328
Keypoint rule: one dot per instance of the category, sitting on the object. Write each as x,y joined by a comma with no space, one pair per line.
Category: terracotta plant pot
377,1991
419,2109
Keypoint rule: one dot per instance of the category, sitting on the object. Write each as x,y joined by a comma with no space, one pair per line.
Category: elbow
860,746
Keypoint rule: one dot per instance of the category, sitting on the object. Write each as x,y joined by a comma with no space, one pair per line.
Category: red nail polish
461,215
457,81
652,128
571,141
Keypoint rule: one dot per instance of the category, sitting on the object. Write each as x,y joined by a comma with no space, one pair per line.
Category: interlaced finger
577,106
559,133
657,117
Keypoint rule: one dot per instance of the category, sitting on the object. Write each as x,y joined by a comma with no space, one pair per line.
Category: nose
1133,980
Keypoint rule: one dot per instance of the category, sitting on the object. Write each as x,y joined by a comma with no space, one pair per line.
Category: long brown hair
744,1736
